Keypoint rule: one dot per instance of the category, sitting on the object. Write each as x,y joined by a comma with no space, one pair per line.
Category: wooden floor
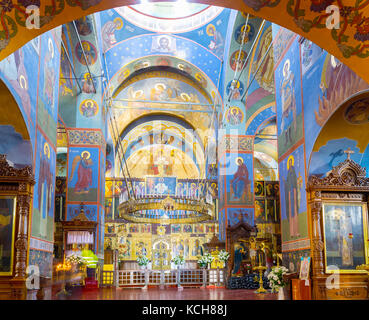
165,294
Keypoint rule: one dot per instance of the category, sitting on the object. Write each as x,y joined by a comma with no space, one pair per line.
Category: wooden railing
181,278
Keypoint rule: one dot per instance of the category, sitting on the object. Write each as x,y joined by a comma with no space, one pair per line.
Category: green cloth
90,258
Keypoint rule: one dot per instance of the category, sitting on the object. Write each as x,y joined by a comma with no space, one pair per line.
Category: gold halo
47,150
238,158
288,161
288,63
21,82
88,154
208,28
185,96
160,84
248,27
120,21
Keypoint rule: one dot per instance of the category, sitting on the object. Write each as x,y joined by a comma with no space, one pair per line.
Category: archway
333,146
15,140
309,18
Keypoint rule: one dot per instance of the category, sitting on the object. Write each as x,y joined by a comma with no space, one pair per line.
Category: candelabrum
261,269
63,267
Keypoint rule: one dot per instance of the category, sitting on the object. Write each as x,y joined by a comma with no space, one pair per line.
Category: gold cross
349,152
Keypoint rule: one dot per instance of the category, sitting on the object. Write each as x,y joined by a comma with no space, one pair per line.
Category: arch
307,18
15,140
333,146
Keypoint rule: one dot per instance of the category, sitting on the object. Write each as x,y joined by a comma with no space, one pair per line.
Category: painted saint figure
84,172
291,197
287,91
240,183
45,190
240,253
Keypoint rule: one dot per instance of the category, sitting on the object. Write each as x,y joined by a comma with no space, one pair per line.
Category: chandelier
161,209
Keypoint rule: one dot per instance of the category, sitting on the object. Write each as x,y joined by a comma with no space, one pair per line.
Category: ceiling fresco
349,43
329,149
164,92
167,17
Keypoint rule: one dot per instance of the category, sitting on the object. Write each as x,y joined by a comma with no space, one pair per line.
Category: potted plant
276,281
223,256
178,261
143,261
75,260
205,260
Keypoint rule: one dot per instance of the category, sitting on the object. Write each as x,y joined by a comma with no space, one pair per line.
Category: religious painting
161,185
88,108
222,225
236,215
134,228
260,211
216,44
146,228
235,89
271,211
264,62
83,174
89,50
89,83
237,60
44,190
84,26
332,153
210,228
124,248
197,248
175,228
74,210
240,187
17,150
108,208
187,228
163,44
345,234
44,261
244,33
270,189
234,115
288,100
49,76
109,188
14,70
199,228
7,234
240,253
304,268
108,33
259,189
293,196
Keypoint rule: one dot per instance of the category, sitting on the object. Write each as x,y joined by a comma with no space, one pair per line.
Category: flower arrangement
275,278
75,259
223,255
178,260
142,261
205,260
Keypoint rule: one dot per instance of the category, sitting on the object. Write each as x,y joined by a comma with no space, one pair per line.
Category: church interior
184,145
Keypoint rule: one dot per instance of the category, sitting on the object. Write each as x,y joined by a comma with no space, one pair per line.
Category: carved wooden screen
339,231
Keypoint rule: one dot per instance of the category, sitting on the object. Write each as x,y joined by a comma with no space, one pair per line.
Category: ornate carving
318,245
347,174
8,171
